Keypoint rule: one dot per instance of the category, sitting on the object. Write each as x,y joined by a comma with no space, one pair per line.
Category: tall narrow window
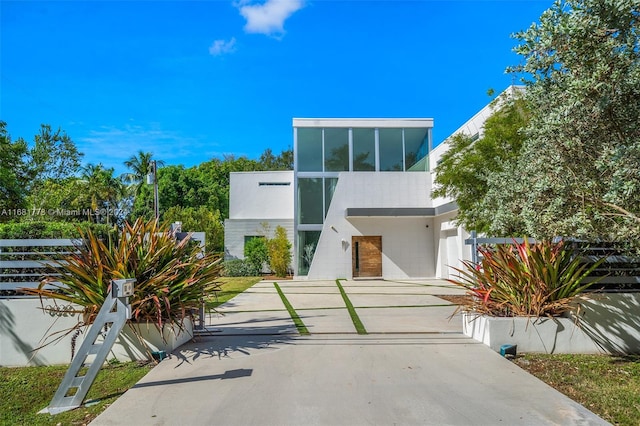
307,244
364,150
416,148
309,149
391,155
310,209
336,150
329,188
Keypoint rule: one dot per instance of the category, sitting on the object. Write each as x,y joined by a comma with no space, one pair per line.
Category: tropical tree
200,219
58,201
269,161
465,171
140,198
579,171
140,166
13,173
103,191
53,156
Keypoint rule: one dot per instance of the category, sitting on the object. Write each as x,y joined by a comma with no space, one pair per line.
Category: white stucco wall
449,246
406,241
250,200
251,205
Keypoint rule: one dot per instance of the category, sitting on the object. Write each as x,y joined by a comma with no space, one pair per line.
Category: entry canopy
354,212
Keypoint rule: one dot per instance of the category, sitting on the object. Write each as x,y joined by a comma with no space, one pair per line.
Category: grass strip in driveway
302,329
352,311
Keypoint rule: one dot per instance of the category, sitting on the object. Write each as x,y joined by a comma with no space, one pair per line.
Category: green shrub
202,219
522,279
279,252
38,230
256,254
238,268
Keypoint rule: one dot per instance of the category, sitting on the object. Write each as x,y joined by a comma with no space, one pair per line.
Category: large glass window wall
362,149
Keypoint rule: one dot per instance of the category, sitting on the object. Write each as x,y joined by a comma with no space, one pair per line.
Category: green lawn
25,391
231,287
607,385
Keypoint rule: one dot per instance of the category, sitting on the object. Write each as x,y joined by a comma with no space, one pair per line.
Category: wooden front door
366,256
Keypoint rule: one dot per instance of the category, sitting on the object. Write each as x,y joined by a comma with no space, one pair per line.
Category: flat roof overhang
363,122
355,212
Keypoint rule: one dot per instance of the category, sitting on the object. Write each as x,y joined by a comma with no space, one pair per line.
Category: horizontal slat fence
24,262
618,273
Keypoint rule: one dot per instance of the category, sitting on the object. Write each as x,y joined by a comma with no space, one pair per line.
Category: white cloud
220,47
268,17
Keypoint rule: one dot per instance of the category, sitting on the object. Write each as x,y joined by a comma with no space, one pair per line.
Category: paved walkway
414,367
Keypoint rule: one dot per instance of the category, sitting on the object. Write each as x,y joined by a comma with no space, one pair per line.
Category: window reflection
309,149
336,150
364,150
391,156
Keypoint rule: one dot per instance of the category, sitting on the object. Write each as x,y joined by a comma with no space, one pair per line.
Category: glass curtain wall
322,153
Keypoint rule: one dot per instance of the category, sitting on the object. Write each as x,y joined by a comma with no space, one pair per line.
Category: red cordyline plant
172,277
522,279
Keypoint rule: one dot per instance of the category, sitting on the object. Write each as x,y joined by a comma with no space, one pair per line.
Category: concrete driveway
413,367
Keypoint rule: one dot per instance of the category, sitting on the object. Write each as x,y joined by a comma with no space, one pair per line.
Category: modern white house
358,202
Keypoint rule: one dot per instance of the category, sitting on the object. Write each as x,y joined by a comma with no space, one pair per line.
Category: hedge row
24,230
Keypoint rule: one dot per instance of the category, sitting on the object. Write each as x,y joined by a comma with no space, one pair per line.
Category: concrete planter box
541,335
23,325
608,323
128,346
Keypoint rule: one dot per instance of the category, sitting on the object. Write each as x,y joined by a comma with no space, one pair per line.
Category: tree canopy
566,160
13,173
465,169
579,172
45,181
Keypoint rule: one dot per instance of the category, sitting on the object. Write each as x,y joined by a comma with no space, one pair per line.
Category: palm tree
103,189
140,166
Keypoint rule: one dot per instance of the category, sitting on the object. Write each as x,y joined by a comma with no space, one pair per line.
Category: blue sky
192,80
